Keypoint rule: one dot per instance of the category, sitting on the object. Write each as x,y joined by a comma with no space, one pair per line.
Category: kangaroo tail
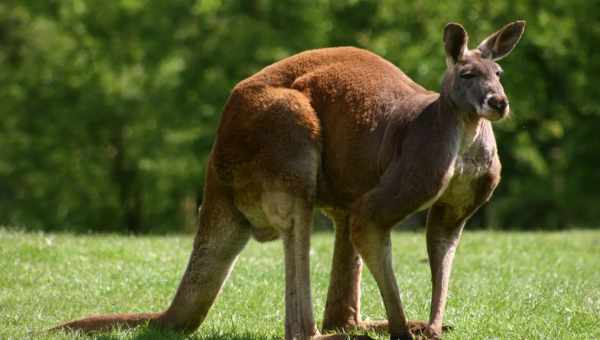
97,323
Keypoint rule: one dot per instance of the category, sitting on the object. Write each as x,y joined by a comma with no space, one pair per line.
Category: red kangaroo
343,130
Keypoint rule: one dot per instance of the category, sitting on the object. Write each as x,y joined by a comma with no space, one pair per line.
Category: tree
108,109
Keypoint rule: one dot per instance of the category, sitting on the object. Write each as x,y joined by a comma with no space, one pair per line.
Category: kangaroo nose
498,103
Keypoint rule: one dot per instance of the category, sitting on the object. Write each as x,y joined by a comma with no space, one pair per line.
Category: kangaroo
344,130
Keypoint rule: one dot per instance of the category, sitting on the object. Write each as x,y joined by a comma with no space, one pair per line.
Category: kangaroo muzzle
495,107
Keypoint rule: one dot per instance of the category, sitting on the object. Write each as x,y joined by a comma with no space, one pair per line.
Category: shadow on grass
146,333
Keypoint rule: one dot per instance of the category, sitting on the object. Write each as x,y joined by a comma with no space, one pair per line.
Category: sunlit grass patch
506,285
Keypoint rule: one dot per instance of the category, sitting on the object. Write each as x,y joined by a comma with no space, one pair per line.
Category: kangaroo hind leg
222,234
342,310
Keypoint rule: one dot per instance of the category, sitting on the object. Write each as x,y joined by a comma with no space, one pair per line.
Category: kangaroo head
472,80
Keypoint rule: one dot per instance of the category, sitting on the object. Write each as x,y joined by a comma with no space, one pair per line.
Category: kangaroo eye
467,75
499,74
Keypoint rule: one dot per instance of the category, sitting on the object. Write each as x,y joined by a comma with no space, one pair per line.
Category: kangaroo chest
472,163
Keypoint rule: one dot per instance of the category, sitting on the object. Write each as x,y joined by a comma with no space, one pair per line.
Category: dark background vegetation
108,109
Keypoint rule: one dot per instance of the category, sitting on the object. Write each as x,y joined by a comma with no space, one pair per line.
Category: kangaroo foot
341,337
417,327
378,326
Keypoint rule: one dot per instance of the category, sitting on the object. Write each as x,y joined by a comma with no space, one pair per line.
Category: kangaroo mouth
493,114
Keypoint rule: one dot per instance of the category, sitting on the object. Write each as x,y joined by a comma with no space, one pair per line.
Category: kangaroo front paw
432,332
423,330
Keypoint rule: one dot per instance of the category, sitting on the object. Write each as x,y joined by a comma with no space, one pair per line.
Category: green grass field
506,285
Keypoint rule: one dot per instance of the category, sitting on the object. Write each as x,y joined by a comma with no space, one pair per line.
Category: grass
506,285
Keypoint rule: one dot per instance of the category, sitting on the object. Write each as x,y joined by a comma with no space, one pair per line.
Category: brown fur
344,130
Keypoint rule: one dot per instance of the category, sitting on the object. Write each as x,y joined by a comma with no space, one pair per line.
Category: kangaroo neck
467,126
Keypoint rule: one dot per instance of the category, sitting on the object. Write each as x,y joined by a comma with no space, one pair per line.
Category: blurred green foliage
108,109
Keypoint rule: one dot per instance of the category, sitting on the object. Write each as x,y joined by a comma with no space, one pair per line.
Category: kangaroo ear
501,43
455,42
